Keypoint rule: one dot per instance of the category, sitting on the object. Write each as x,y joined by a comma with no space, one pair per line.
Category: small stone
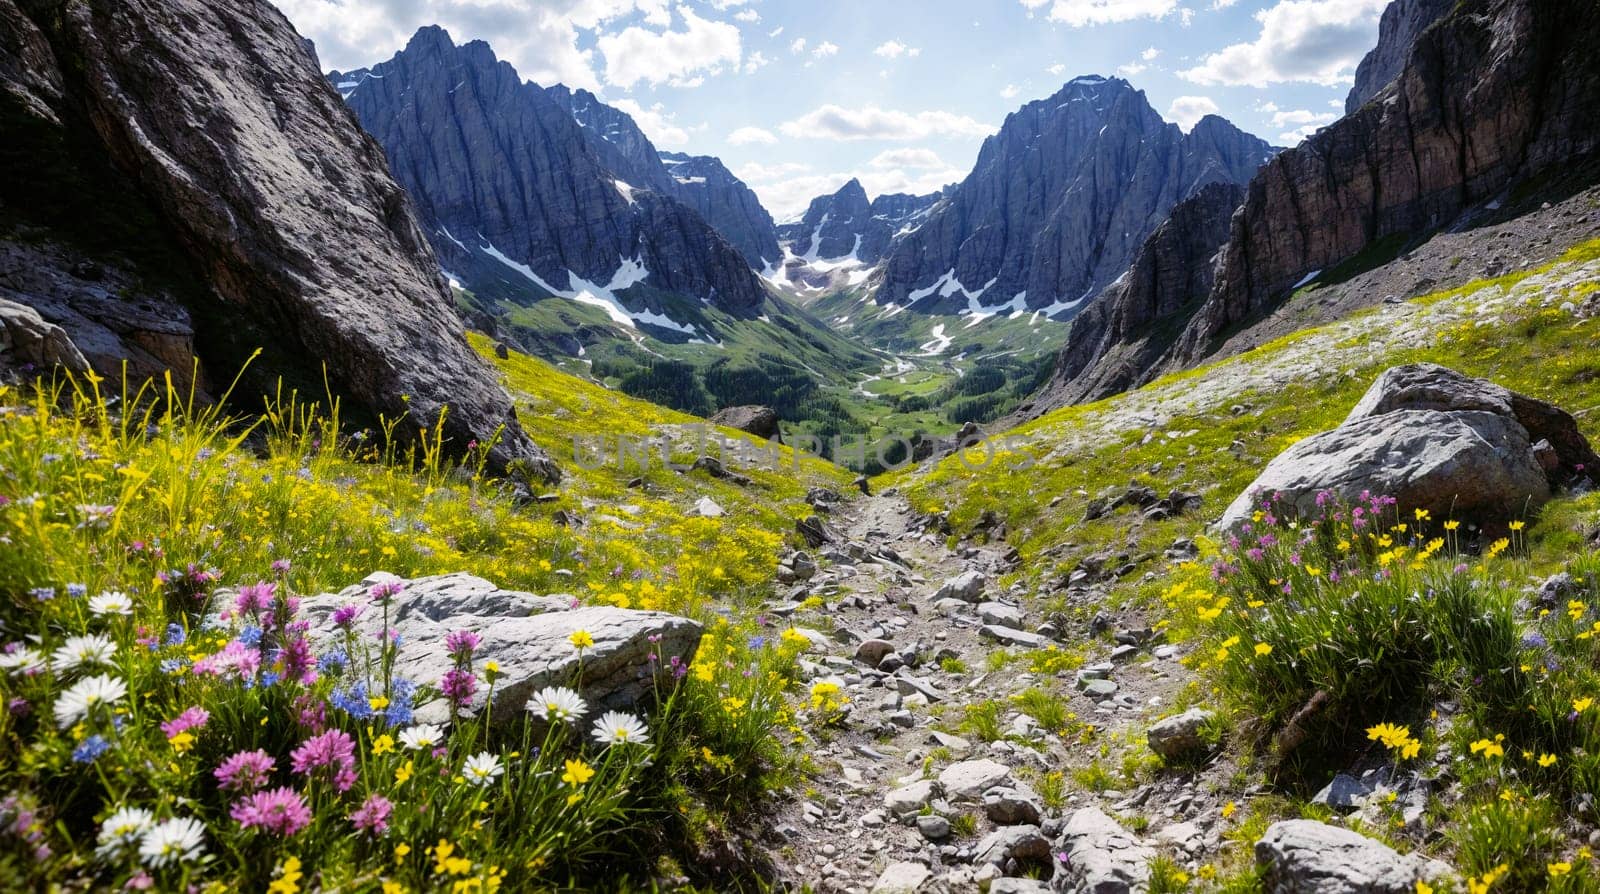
1009,636
873,651
902,878
1178,736
999,613
933,827
1011,807
708,508
967,586
910,798
1345,792
1124,652
970,779
1098,689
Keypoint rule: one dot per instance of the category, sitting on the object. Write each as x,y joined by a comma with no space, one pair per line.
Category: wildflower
458,686
192,718
557,704
1395,738
1546,760
445,864
254,599
1488,748
1517,525
1263,649
297,662
288,880
1579,705
176,635
334,751
1423,887
373,815
82,651
1557,870
111,602
78,702
462,643
122,829
281,811
386,591
345,615
422,738
20,660
581,639
794,637
1229,809
382,745
617,728
90,749
402,774
482,768
577,773
244,771
174,841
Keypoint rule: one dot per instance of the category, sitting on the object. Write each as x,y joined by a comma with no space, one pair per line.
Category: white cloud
638,54
1082,13
1150,54
894,49
655,121
832,122
747,135
1318,41
748,15
1131,69
1303,123
1009,91
1186,111
539,40
798,45
908,158
1222,4
755,61
824,49
1057,69
775,32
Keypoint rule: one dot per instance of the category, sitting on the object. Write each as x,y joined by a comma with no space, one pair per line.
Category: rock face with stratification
705,184
262,209
846,225
1402,23
1060,201
514,188
527,635
1308,857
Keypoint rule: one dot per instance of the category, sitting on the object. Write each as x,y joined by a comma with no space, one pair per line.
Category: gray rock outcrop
705,184
256,194
759,421
1402,23
527,634
1435,440
1308,857
1102,857
845,224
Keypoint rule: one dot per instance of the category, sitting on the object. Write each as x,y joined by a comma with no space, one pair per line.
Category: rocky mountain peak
1060,200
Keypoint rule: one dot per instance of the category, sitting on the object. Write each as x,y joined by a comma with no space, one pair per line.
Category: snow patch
939,343
1308,278
630,272
626,189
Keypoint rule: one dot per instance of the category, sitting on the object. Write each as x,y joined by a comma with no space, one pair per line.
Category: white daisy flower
482,768
123,829
111,602
557,704
87,694
21,661
82,651
174,841
424,737
617,728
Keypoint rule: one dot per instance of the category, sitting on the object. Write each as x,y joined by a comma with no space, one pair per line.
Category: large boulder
759,421
527,635
1433,439
1102,857
1308,857
26,339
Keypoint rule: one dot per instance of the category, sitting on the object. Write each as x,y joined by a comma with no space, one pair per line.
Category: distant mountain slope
520,205
1060,200
705,184
1402,23
1495,101
845,224
193,148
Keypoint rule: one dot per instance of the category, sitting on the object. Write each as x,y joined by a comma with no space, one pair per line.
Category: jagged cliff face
1402,23
1496,93
259,199
1060,200
845,225
705,184
512,190
1120,336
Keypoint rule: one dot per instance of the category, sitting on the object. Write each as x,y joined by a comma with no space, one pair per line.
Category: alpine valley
421,474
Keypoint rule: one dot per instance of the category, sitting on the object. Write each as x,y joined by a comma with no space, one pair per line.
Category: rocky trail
905,795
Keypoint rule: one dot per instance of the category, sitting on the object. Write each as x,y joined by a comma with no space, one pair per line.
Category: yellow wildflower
382,745
581,639
1263,649
577,773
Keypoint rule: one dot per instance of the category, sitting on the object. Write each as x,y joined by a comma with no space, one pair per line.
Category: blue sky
797,97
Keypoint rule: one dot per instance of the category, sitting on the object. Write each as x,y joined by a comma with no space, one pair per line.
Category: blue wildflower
43,594
333,661
77,591
250,635
90,749
175,635
1534,641
353,700
173,665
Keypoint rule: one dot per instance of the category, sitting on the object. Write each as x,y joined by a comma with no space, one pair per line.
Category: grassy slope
184,491
1387,656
